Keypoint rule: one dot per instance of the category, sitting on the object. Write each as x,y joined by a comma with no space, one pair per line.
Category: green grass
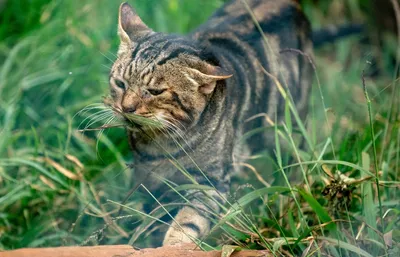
59,186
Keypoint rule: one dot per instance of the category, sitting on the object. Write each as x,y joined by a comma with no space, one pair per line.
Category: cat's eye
156,91
120,84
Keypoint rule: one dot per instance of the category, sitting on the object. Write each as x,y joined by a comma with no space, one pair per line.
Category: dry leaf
69,174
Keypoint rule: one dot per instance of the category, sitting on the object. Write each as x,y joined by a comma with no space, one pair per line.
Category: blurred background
56,182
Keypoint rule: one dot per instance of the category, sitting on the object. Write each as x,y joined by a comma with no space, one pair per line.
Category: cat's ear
208,77
130,26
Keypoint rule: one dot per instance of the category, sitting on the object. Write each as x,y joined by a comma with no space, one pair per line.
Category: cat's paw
175,236
192,225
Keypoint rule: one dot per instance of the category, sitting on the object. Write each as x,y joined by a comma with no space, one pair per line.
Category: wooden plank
124,250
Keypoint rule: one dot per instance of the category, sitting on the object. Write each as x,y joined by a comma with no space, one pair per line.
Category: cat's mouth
141,122
134,121
156,124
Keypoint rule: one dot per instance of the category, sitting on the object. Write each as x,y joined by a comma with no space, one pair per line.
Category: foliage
59,186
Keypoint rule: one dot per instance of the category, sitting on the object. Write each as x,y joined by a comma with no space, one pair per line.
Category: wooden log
125,251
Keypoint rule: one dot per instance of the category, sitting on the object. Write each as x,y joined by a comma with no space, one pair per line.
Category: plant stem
371,124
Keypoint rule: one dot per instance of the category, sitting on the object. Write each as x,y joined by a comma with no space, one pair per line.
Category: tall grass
59,186
54,180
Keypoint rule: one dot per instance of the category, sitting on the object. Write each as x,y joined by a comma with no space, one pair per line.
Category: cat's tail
332,33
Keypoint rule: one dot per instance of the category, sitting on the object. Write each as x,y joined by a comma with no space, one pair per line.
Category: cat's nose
129,108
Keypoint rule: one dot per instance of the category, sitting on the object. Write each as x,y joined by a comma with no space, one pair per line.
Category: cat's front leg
194,222
188,225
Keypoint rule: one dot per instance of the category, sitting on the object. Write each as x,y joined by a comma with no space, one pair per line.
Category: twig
100,128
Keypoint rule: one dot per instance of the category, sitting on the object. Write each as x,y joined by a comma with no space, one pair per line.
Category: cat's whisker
105,66
166,125
93,116
97,112
85,111
108,58
88,119
114,55
101,132
95,105
172,134
89,108
179,124
98,119
175,131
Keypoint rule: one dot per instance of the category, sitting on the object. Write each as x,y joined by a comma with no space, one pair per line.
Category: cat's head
166,78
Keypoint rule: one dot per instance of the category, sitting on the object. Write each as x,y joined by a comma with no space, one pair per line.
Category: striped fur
207,84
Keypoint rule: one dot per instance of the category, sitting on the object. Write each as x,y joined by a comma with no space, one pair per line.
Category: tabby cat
203,88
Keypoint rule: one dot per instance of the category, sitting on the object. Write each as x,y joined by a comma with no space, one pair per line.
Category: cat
203,89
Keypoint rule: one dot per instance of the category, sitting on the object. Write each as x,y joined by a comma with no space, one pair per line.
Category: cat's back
245,18
233,32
